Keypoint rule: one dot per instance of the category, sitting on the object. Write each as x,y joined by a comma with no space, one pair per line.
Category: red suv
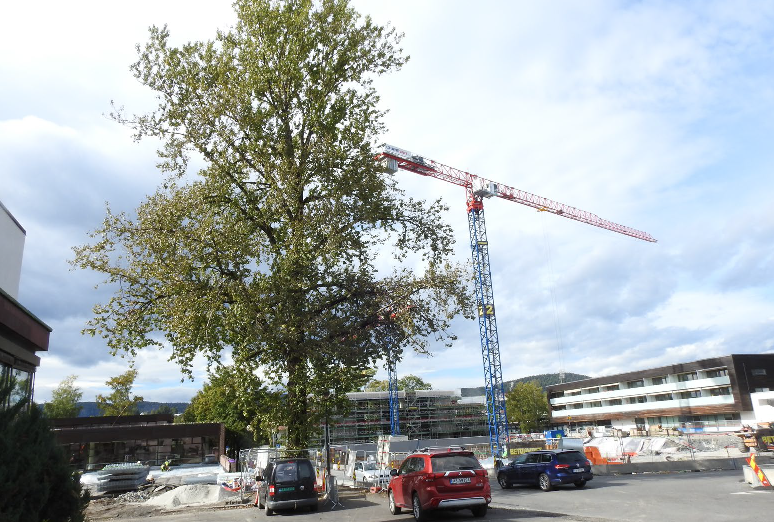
439,479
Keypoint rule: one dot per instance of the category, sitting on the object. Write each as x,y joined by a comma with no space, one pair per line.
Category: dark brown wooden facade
92,442
21,336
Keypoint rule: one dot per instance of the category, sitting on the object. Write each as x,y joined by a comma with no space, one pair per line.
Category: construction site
424,414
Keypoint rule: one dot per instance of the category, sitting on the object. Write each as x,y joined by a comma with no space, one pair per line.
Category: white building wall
12,237
763,406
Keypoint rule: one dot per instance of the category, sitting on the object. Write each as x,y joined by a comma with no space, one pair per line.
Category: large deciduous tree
232,396
276,249
526,404
64,399
120,401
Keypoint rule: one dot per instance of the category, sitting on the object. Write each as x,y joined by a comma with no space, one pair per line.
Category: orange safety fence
592,453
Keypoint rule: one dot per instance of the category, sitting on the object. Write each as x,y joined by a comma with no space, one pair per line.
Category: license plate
579,470
283,490
461,480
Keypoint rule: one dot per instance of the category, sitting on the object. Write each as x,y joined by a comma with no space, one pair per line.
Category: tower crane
476,190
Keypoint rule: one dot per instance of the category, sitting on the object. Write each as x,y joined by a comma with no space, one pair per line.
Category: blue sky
655,115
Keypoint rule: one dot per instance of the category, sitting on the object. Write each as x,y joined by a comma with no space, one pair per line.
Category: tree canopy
232,396
407,383
275,250
64,400
120,401
526,404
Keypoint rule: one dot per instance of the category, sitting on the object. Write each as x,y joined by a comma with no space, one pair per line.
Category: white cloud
654,115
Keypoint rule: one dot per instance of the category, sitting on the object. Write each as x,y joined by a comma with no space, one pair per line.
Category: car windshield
570,457
442,463
369,466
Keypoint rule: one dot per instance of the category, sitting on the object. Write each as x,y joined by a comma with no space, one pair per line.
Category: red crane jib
428,167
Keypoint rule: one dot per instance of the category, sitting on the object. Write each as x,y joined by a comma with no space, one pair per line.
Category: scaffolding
424,414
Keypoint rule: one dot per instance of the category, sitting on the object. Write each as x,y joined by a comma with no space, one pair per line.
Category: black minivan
287,484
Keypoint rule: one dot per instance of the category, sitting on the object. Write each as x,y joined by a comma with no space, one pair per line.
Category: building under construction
424,414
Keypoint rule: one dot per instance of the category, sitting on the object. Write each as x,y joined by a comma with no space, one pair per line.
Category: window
592,390
658,380
637,400
615,402
635,384
760,390
685,377
570,457
758,371
572,393
712,374
663,397
693,394
594,404
21,382
610,387
443,463
715,392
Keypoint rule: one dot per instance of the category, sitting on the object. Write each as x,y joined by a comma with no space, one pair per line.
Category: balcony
645,390
650,405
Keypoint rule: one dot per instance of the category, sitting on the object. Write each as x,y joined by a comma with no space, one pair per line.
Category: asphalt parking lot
704,496
687,496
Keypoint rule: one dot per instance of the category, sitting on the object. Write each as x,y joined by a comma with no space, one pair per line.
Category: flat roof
3,207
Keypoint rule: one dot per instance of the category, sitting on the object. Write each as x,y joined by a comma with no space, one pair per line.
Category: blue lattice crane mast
476,189
392,376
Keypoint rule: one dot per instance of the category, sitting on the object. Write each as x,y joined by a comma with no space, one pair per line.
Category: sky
655,115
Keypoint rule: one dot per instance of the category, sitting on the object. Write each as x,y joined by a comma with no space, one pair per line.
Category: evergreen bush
36,481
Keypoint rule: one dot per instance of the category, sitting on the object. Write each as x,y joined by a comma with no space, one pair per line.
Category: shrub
36,482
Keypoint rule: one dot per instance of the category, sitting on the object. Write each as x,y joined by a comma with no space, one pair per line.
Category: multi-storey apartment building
713,393
21,333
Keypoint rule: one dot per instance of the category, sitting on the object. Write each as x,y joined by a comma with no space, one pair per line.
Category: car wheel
503,481
479,511
395,510
269,512
544,482
419,513
580,483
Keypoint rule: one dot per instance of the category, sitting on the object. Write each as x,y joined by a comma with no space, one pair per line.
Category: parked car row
430,479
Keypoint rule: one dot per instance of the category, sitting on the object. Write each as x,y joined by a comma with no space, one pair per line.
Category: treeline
544,379
90,409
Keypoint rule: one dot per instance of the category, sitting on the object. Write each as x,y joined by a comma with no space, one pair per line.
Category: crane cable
552,290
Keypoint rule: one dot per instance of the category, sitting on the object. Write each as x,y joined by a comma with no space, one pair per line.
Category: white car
369,472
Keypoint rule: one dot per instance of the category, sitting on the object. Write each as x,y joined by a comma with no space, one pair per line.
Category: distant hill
544,379
89,409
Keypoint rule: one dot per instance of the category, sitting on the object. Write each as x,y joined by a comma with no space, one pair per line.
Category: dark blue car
547,469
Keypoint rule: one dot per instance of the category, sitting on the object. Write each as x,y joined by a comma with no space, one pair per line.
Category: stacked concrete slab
121,477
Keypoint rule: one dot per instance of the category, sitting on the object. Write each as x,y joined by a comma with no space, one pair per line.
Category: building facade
713,394
423,414
21,333
92,442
